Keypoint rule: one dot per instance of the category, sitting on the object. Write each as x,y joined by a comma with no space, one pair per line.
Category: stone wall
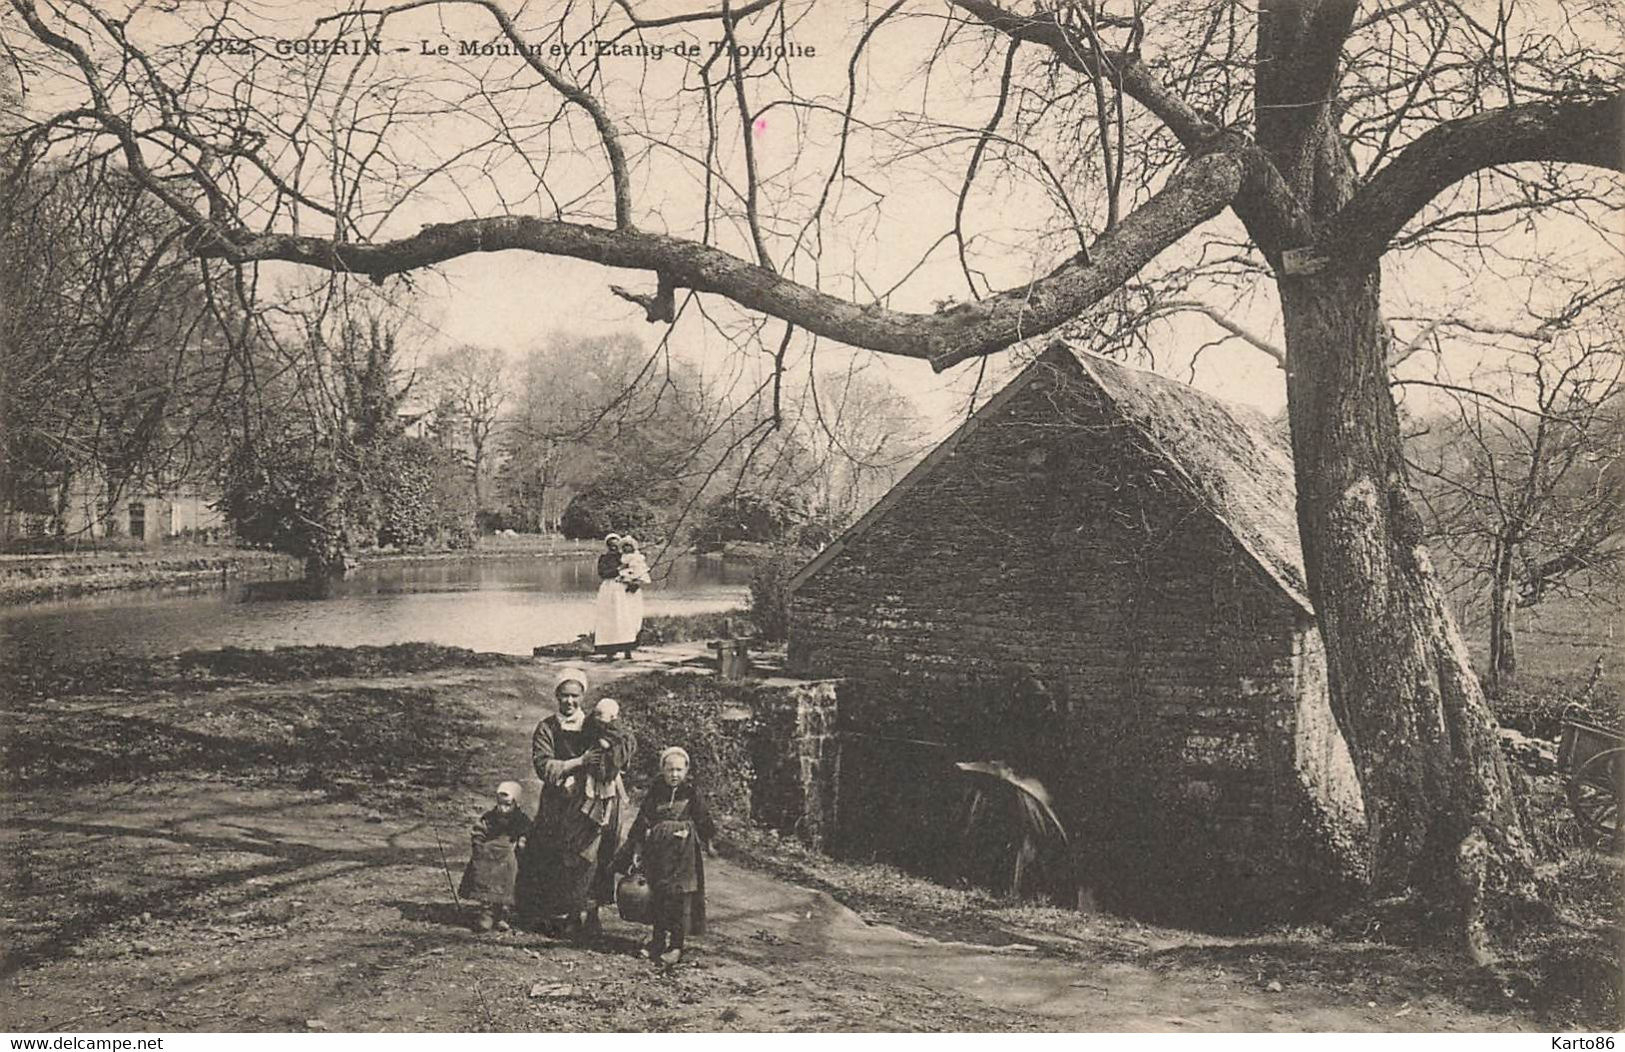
795,759
763,750
1055,596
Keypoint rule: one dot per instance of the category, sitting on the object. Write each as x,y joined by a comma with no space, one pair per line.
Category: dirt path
203,905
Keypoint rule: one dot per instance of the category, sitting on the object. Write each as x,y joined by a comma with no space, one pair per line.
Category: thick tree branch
1590,132
1321,56
1194,195
1300,49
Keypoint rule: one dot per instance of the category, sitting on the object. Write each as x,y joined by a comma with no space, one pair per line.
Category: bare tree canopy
471,388
1523,470
320,158
948,179
117,371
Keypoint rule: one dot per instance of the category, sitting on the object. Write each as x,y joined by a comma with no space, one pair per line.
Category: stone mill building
1097,581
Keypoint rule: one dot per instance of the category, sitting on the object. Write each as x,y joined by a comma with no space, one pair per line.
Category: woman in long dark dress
567,870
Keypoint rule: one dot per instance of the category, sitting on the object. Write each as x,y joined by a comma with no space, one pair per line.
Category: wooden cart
1592,759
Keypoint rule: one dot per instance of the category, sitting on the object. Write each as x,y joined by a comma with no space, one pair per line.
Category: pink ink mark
761,126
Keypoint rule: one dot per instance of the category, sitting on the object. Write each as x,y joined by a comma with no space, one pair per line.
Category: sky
880,226
514,299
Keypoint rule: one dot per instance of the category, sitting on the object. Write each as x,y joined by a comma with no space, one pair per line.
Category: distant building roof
1230,457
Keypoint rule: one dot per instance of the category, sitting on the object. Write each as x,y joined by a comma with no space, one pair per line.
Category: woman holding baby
566,871
618,616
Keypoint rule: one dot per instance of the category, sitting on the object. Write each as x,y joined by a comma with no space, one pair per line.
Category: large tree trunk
1437,792
1438,796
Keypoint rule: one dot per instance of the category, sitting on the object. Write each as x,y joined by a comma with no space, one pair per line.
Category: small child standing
493,865
672,834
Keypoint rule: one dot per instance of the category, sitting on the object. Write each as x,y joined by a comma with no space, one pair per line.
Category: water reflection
504,605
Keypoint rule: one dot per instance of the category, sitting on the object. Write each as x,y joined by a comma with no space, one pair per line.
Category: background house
1097,580
144,511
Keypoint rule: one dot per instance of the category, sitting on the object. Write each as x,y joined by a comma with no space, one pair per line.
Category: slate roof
1229,456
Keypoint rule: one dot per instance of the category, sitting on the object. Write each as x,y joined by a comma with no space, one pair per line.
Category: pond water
506,605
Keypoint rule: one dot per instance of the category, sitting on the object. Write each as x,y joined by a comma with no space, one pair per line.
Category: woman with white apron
623,572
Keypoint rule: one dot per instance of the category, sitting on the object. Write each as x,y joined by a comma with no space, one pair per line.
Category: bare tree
113,358
472,383
1035,160
1525,480
590,407
860,434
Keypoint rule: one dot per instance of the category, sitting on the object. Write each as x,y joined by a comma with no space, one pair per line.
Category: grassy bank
1562,640
491,546
70,728
669,628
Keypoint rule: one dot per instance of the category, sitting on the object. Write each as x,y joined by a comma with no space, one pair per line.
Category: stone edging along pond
29,578
63,575
32,578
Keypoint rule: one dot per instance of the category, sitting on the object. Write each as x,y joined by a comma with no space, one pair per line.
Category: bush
317,498
820,530
689,711
1538,705
739,736
611,505
684,628
770,591
748,517
287,494
420,496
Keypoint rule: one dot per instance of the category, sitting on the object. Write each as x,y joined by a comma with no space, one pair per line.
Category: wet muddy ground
244,842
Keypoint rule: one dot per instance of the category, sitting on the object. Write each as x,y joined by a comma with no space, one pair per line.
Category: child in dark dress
488,880
601,783
672,834
605,730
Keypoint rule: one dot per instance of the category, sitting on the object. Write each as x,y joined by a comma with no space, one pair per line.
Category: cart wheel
1595,791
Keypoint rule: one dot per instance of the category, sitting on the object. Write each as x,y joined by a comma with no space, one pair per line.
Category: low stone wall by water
31,578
